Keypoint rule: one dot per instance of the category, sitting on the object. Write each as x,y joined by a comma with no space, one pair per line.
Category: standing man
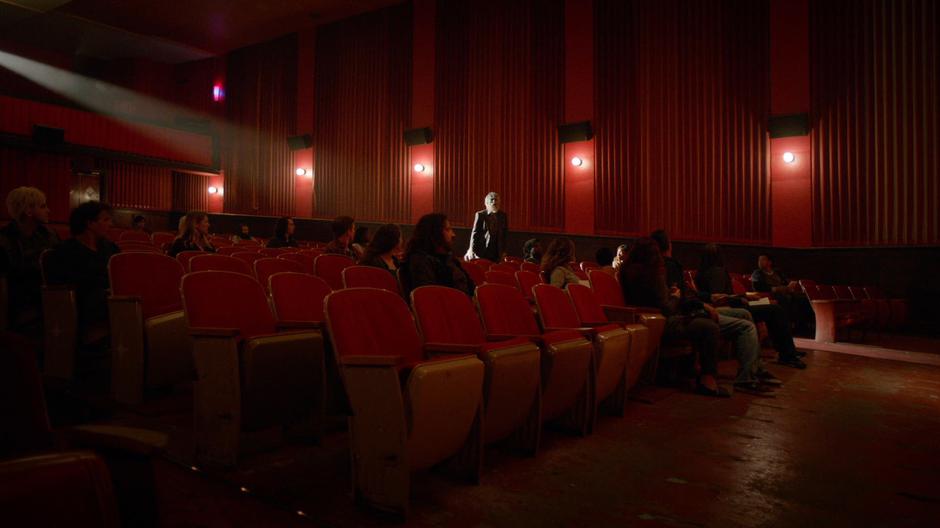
490,229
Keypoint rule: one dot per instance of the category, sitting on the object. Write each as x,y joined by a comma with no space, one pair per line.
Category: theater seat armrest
299,325
369,361
124,298
432,349
585,331
213,332
126,439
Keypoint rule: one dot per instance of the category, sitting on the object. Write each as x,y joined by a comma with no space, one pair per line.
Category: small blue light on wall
218,93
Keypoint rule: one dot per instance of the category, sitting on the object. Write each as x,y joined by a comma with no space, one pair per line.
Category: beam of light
119,103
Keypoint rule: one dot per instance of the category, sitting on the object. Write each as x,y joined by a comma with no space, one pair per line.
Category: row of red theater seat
852,307
236,348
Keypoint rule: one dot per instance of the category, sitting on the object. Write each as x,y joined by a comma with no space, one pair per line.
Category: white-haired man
490,229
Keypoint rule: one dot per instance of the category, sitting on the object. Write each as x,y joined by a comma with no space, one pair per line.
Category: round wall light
300,171
419,167
576,161
789,157
213,189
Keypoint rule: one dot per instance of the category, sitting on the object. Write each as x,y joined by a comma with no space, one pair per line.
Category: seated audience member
532,251
360,240
429,258
343,229
22,241
194,234
714,285
82,262
556,263
383,249
139,223
243,235
643,279
283,233
620,257
767,279
747,343
604,257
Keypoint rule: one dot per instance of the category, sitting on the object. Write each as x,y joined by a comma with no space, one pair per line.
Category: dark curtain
499,97
681,107
261,88
190,192
363,106
135,186
876,179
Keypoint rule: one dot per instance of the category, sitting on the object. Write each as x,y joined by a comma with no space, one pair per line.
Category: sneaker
767,378
793,362
755,388
800,354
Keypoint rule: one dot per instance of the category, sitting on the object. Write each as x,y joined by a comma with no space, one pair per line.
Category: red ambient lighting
218,93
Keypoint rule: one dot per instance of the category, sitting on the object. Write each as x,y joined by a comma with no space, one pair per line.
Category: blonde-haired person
22,241
194,234
556,263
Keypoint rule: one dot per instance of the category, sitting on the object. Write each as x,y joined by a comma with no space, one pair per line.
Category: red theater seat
211,262
588,265
330,268
133,245
135,236
611,346
511,397
409,413
476,273
305,260
566,355
370,277
503,268
159,238
298,297
250,377
501,277
530,266
220,241
266,267
592,314
149,339
515,262
231,250
249,256
273,252
898,307
185,256
526,280
832,314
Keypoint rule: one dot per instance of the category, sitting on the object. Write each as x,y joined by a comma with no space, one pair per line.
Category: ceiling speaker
47,136
788,125
300,142
418,136
571,132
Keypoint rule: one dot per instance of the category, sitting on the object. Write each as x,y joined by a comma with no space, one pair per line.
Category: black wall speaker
788,125
48,136
571,132
300,142
418,136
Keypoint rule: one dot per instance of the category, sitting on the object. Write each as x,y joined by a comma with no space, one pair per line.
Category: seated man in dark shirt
22,241
714,282
344,228
82,262
429,259
786,292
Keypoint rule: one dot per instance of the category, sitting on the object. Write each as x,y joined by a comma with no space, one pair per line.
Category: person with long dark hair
383,249
194,234
643,279
283,233
556,263
429,258
714,285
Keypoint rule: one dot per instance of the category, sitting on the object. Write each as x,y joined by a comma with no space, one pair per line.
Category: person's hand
712,312
675,292
470,255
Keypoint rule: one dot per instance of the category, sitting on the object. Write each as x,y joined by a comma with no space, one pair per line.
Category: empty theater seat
409,413
476,273
185,256
249,256
898,307
370,277
161,237
250,378
611,346
60,324
511,395
266,267
566,355
526,280
330,268
298,297
231,250
832,314
529,266
150,345
501,277
210,262
591,314
305,260
503,268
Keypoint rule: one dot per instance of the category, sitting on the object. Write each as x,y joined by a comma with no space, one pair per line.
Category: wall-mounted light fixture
789,157
300,171
213,189
419,167
576,161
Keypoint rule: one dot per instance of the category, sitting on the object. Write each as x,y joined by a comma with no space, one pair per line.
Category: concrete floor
851,441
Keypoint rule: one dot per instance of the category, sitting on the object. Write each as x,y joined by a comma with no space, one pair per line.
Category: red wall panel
363,106
17,116
682,96
134,186
50,173
876,176
261,95
499,97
